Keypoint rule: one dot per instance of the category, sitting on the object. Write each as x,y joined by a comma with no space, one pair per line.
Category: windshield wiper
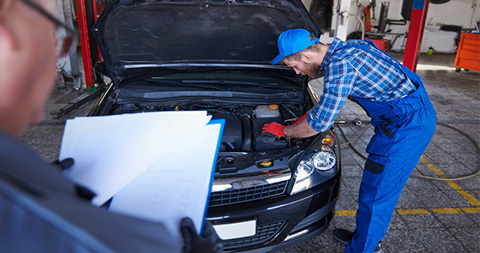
255,84
194,85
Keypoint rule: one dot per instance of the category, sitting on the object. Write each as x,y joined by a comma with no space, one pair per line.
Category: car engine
244,133
243,124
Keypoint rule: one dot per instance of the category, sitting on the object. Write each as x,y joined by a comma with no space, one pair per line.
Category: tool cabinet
468,52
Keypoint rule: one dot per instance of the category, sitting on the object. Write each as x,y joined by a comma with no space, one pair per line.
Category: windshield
231,81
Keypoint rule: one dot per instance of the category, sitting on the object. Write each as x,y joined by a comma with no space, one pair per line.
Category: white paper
156,166
175,187
111,151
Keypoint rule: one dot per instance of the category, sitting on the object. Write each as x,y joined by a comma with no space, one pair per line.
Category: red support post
84,42
415,34
368,20
86,16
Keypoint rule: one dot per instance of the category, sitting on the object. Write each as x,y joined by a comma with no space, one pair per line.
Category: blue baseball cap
293,41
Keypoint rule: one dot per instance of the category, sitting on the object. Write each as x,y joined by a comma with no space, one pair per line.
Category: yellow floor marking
412,211
349,213
465,194
452,184
448,210
471,209
452,210
431,166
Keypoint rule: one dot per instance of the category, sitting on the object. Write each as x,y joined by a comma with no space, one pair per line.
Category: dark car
178,55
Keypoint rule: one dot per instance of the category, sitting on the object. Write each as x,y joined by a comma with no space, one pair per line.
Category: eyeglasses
66,37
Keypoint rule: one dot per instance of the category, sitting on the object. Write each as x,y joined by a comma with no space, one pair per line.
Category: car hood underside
159,32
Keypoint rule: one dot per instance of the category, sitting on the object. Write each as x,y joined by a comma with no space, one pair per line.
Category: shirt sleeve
338,82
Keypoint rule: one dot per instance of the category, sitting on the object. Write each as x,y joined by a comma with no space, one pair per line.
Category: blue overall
403,129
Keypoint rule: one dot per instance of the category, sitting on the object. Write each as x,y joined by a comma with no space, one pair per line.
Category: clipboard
153,194
188,162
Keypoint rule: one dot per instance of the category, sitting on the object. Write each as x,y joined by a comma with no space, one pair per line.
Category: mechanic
40,209
395,99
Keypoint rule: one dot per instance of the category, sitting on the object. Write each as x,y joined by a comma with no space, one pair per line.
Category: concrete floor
431,215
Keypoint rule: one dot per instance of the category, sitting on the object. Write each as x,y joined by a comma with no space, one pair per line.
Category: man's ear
306,57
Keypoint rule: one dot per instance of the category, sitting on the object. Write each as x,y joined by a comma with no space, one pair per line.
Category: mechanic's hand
299,119
274,128
208,242
63,164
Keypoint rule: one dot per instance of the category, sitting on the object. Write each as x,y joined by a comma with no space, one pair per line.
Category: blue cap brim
280,57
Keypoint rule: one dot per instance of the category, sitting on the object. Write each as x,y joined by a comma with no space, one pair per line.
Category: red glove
274,128
299,119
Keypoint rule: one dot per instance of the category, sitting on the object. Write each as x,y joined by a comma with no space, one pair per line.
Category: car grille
230,197
264,233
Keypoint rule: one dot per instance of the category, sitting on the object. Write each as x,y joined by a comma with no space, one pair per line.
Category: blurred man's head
27,63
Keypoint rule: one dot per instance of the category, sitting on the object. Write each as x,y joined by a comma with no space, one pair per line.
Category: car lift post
415,33
86,16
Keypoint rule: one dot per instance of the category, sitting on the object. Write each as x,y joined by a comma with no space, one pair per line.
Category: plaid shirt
358,73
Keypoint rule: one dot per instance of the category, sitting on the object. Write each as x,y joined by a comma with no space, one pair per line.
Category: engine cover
266,141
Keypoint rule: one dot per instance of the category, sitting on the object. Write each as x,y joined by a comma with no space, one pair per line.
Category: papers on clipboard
157,165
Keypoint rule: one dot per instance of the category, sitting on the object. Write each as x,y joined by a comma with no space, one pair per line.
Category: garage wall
462,13
455,12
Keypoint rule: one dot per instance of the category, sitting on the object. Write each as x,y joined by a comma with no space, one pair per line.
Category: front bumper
280,221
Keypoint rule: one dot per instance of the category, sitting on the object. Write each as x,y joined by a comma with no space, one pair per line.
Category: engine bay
243,123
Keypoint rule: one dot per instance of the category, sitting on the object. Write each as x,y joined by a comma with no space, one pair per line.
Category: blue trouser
403,129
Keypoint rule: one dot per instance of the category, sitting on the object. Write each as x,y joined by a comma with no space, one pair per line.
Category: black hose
247,133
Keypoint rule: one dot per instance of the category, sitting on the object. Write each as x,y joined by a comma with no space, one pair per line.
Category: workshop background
434,213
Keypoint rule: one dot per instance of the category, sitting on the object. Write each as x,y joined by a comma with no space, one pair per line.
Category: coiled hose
350,143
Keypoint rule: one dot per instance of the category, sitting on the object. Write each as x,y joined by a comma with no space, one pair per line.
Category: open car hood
132,34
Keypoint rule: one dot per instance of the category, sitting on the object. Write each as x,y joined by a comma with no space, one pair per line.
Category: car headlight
315,167
324,160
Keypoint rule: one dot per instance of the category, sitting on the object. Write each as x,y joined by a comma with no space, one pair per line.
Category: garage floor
431,215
